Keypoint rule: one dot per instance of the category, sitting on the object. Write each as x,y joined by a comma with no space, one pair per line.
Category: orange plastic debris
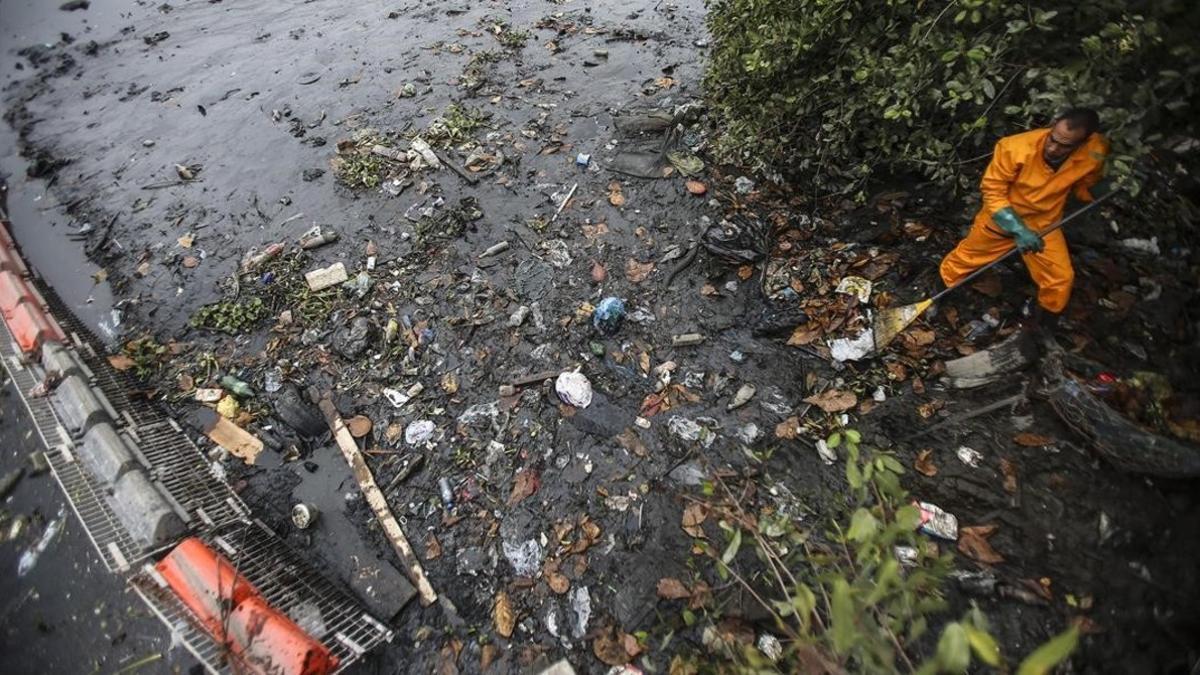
232,610
269,643
32,327
206,583
11,262
13,291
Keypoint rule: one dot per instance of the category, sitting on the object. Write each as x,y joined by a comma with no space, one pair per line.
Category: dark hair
1081,117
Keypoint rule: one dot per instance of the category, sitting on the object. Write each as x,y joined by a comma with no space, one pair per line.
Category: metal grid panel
116,548
181,622
287,582
115,384
180,467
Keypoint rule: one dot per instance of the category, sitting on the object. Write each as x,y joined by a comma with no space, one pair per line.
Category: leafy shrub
836,91
840,598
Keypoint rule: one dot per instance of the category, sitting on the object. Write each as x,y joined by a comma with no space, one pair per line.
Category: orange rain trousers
1019,177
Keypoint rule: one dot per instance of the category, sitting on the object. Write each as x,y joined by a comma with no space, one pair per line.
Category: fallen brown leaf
833,400
556,580
631,644
503,615
973,543
745,272
615,196
450,383
121,362
190,261
896,371
696,187
788,429
610,648
487,656
1031,440
670,588
924,463
708,290
433,548
920,336
525,483
917,230
599,273
927,410
804,334
1009,470
693,517
636,271
630,440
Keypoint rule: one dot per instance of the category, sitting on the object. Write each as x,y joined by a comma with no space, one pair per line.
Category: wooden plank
374,496
239,442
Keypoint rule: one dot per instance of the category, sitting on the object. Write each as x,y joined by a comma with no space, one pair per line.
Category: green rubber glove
1027,240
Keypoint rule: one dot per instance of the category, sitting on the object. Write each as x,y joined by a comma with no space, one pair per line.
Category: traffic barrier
31,327
11,262
106,454
79,406
13,291
6,239
205,583
269,643
146,514
59,359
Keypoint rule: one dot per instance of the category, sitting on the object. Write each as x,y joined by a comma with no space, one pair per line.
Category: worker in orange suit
1024,191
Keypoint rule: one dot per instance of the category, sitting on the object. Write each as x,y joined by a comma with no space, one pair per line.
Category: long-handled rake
889,323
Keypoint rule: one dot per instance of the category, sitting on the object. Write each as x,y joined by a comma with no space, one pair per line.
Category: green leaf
953,649
983,645
863,525
732,549
892,464
853,475
689,617
908,517
834,440
1050,654
841,614
804,601
853,436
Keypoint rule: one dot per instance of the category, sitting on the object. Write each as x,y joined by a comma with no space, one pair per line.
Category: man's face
1062,141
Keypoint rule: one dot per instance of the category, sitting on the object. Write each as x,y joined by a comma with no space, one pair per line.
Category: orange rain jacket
1018,176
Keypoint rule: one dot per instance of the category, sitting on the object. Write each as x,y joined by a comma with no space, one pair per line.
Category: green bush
835,92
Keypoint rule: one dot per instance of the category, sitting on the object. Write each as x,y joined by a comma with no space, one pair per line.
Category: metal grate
86,497
287,582
115,384
180,467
